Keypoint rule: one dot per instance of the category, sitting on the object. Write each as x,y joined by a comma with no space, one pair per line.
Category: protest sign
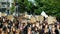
51,20
10,17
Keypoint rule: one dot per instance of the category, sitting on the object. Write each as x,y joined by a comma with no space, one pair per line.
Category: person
25,30
53,30
46,30
17,31
0,30
57,30
13,30
29,30
36,30
40,29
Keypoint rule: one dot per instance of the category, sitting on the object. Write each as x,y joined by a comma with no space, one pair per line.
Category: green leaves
12,9
51,7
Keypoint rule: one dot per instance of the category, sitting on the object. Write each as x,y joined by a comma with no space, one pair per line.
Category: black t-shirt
1,25
56,31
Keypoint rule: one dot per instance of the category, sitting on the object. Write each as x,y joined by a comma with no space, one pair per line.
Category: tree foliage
51,7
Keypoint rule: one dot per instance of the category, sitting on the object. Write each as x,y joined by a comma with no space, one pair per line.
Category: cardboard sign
10,17
39,18
51,20
3,14
33,19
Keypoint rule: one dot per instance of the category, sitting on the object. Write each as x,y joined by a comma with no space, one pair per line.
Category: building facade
5,5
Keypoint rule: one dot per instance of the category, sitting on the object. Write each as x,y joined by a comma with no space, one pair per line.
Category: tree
51,7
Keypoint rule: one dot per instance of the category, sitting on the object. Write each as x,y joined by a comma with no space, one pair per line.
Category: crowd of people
23,26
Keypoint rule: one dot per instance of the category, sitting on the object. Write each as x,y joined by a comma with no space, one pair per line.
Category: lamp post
17,10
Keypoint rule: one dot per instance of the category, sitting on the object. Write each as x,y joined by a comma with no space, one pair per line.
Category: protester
24,26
